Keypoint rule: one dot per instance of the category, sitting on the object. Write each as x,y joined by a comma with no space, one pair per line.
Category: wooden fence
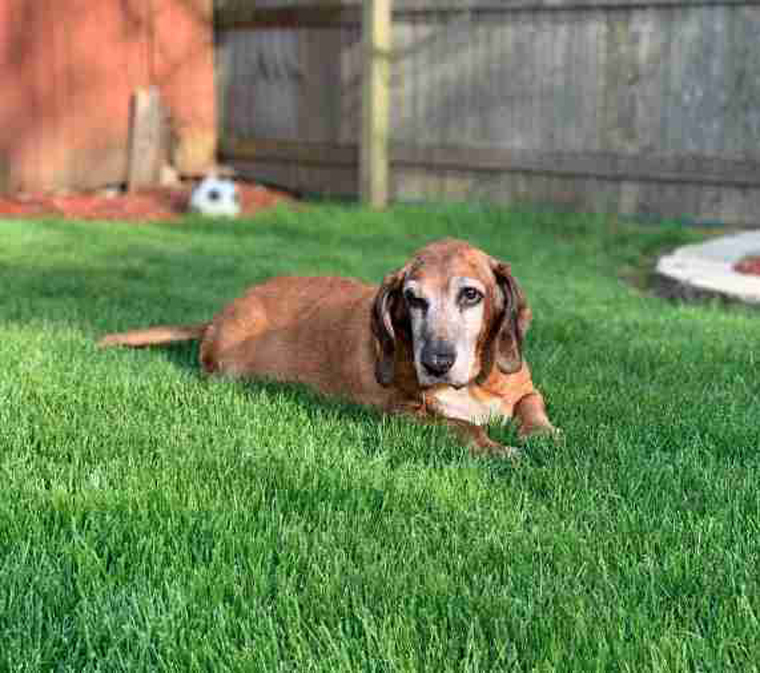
646,107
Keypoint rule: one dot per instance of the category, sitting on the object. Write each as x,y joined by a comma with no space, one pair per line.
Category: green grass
152,520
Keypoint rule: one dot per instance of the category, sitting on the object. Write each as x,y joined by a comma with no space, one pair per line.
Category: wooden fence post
373,160
147,147
5,173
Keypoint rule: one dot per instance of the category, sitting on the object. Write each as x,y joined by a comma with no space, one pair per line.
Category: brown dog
440,338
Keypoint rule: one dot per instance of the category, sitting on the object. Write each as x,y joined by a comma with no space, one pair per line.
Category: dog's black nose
438,358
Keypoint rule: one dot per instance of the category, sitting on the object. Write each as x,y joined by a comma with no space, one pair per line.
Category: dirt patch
165,203
750,265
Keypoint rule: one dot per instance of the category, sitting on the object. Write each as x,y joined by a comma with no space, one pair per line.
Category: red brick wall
68,69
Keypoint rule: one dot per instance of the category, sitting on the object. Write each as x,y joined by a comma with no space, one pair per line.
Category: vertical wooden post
146,146
373,169
5,173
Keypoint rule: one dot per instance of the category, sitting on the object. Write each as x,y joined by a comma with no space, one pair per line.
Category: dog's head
452,310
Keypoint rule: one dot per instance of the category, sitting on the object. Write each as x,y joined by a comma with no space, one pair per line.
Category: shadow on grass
146,284
95,295
403,440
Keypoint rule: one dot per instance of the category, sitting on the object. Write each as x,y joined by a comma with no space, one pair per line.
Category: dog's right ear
514,322
388,318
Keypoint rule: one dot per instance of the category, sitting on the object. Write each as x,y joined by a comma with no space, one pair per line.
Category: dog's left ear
513,316
388,317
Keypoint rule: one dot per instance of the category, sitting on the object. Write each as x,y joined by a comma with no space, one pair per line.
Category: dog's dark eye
469,296
413,301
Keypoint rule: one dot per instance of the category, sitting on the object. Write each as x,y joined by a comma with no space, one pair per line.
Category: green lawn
152,520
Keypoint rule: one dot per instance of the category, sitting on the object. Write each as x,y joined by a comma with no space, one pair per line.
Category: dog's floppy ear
388,317
512,320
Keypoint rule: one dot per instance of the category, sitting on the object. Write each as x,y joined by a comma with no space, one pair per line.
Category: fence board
600,166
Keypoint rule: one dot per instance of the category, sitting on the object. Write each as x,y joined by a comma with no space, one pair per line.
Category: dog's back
311,330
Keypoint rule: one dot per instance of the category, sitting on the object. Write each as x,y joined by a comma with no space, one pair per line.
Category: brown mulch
162,203
749,265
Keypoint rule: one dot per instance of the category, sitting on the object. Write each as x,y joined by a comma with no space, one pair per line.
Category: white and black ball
216,197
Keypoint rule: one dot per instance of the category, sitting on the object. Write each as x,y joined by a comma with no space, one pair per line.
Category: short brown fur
349,339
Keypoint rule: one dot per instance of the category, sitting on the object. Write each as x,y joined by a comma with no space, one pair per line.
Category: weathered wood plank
147,150
5,172
696,170
490,6
246,16
284,151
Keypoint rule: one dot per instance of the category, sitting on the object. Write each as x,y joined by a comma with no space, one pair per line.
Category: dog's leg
480,444
474,437
530,412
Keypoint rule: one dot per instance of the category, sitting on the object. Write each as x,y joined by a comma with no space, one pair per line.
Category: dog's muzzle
437,358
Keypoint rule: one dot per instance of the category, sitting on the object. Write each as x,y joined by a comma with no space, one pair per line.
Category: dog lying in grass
440,338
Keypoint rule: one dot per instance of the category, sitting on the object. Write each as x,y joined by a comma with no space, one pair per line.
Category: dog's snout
438,358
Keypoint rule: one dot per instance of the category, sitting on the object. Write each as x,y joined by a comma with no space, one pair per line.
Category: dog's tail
153,336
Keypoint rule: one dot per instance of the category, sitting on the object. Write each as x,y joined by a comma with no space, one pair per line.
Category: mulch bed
164,203
749,265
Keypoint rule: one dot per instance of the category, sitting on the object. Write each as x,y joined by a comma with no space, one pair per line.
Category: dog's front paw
487,447
527,430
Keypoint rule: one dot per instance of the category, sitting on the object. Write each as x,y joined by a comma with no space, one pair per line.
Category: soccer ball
215,197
